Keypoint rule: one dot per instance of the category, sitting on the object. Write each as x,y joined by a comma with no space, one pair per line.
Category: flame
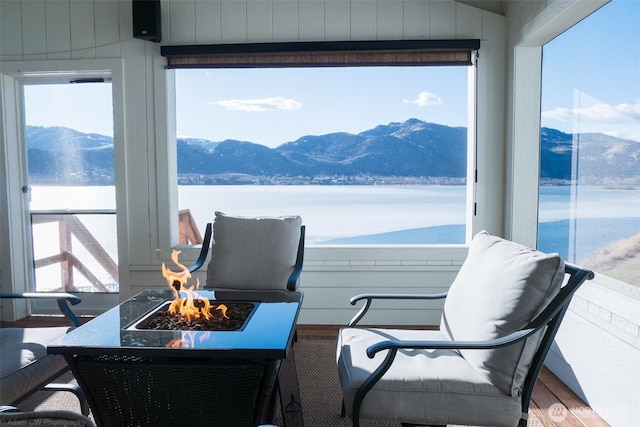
223,308
188,339
176,280
192,307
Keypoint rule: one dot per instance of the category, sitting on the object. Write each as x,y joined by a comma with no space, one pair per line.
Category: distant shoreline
555,235
239,179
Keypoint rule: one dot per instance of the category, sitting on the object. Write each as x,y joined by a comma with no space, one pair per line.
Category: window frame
459,52
523,123
17,260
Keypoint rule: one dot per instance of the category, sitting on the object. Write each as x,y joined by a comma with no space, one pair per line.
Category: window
70,152
590,143
365,154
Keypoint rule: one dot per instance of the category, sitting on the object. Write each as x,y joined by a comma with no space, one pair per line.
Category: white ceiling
495,6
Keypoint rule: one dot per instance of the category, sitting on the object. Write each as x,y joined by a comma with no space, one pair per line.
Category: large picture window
366,154
590,144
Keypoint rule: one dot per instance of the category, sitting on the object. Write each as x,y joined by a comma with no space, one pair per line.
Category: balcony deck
553,403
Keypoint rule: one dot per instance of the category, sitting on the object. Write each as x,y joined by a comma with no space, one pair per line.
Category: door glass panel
70,158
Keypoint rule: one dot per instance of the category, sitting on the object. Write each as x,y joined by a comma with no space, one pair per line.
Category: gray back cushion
501,287
253,253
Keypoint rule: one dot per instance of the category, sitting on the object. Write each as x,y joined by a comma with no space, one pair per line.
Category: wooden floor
553,403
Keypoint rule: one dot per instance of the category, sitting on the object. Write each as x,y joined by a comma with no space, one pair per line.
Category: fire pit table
134,375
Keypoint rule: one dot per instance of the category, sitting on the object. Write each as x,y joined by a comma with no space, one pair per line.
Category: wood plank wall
87,29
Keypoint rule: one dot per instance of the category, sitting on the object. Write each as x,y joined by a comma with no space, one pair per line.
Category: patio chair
500,317
26,367
259,253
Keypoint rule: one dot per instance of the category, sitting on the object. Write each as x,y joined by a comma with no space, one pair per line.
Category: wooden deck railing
189,232
70,226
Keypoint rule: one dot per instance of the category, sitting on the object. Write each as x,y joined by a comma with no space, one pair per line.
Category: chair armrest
292,282
206,243
370,297
63,299
395,345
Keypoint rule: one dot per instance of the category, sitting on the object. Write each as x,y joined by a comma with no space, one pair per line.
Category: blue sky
591,83
274,106
591,74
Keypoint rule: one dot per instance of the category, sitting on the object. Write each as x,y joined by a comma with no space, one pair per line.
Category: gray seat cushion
253,253
435,385
501,287
25,362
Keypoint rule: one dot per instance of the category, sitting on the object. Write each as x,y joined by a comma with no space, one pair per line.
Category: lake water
390,214
334,212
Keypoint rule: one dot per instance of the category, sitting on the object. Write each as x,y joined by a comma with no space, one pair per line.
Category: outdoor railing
189,232
81,239
84,242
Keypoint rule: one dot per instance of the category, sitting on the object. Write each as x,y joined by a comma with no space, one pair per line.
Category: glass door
71,186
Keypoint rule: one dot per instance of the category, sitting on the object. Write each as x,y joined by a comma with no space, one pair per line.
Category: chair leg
72,388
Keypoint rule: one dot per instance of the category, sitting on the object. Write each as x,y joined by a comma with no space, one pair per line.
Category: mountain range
410,150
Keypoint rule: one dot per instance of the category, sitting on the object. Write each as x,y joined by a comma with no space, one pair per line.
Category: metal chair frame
63,299
551,317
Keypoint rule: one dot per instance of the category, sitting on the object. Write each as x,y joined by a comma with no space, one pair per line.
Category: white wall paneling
469,21
234,21
337,20
58,24
11,46
442,19
311,18
107,28
259,21
390,21
183,23
416,19
83,38
364,17
207,21
34,43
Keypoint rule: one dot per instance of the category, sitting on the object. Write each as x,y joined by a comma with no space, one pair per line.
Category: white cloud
425,99
258,105
621,121
597,113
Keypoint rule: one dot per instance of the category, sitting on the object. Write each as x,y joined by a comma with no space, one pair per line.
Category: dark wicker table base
145,391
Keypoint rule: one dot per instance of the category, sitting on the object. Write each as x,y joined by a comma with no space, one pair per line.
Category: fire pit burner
225,316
